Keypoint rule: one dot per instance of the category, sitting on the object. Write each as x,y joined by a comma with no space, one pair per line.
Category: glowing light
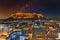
26,15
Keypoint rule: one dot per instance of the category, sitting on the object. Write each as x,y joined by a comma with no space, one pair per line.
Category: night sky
46,7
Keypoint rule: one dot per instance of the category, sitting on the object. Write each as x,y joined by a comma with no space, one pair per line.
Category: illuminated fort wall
26,15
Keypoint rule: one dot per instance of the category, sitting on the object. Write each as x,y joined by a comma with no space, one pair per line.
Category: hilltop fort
20,15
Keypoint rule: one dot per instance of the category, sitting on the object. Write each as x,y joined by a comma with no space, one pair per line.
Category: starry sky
46,7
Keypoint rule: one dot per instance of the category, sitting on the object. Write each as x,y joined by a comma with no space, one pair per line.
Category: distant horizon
5,16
